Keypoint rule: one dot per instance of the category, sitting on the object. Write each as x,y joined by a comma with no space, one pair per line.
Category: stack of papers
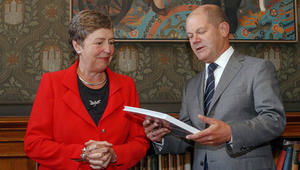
181,126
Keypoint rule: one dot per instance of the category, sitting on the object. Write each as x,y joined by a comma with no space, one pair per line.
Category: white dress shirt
221,62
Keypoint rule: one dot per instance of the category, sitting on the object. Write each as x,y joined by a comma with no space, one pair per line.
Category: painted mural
271,20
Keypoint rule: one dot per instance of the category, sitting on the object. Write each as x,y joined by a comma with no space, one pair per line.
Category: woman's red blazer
59,124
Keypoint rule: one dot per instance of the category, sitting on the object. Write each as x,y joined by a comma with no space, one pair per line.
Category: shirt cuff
230,142
159,145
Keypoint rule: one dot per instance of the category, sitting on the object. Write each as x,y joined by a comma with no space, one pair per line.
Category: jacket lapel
72,96
115,98
232,68
201,90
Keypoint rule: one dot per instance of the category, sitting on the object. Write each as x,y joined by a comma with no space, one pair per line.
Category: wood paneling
15,163
12,131
12,156
292,129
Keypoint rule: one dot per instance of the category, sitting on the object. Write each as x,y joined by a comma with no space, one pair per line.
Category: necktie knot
212,67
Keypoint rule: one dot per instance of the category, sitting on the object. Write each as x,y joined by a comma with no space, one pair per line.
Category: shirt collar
224,58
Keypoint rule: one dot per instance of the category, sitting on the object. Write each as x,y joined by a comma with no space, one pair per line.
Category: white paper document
181,126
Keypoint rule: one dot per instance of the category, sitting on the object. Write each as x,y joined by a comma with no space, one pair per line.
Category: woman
77,120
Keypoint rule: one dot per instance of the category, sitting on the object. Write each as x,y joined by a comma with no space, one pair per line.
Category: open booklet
178,127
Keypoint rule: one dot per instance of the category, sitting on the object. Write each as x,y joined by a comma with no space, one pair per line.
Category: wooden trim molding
14,122
292,129
12,131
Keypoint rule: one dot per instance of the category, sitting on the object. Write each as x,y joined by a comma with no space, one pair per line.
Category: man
235,102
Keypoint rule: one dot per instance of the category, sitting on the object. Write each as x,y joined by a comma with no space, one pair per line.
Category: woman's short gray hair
84,23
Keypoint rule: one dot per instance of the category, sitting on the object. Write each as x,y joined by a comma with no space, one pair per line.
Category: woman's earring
78,52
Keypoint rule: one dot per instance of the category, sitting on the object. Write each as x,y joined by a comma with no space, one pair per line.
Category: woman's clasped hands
99,154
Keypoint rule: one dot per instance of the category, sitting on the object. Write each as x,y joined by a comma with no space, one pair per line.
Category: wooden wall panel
12,156
292,129
12,131
13,163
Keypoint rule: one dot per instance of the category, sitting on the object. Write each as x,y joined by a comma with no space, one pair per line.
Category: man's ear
76,46
224,28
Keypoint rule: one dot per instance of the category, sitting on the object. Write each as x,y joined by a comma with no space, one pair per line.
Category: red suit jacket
59,124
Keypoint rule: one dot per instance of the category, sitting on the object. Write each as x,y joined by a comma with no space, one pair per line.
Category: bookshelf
12,131
165,162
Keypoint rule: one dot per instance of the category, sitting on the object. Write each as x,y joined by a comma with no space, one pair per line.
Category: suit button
243,148
103,130
201,163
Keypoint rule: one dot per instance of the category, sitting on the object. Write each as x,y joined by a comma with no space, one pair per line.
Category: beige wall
160,71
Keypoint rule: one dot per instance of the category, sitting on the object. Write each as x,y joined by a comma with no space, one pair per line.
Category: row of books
289,156
165,162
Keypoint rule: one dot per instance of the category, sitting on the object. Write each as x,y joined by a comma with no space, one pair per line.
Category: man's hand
99,154
156,129
217,133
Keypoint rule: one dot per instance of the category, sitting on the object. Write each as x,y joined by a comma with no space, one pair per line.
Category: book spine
154,162
149,162
281,160
170,160
187,161
159,162
165,162
174,159
296,148
288,158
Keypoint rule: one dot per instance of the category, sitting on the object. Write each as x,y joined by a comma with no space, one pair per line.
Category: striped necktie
210,86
